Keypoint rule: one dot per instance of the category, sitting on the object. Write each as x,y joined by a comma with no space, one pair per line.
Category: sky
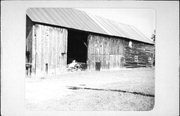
142,19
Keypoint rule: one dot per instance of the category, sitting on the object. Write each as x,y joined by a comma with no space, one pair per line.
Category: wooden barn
57,36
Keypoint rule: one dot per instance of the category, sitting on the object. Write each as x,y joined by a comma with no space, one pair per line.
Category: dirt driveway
126,89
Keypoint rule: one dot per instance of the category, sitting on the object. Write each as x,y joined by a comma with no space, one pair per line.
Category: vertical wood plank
38,47
33,49
50,53
58,50
66,38
42,47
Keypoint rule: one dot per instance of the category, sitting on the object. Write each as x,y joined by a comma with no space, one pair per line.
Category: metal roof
76,19
119,29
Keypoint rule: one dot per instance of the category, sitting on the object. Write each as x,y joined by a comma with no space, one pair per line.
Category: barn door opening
77,46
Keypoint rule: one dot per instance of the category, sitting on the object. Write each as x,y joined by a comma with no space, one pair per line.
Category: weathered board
49,49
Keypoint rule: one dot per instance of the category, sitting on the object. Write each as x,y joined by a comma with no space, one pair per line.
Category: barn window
149,59
130,44
136,58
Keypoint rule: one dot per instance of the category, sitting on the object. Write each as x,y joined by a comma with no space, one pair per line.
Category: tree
153,37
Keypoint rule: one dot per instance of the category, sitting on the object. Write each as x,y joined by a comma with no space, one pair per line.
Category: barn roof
77,19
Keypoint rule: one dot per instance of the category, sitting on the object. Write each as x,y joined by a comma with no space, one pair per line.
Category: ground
115,90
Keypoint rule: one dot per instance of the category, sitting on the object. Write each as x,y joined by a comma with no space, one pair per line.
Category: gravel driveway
115,90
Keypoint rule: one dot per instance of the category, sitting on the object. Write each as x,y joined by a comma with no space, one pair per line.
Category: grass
52,93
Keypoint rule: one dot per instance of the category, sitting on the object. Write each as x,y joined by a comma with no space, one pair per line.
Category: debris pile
76,66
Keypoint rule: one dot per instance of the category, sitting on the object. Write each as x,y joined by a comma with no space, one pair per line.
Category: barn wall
108,51
139,54
116,53
49,49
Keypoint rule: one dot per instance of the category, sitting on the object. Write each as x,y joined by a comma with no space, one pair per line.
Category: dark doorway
77,46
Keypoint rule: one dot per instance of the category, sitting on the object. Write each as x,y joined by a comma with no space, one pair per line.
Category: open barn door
77,47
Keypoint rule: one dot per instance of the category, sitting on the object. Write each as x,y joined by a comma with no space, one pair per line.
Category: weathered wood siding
49,48
116,52
139,54
107,51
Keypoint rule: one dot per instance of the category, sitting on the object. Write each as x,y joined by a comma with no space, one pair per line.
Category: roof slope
119,29
76,19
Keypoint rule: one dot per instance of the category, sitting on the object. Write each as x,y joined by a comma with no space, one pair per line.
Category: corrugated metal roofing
65,17
76,19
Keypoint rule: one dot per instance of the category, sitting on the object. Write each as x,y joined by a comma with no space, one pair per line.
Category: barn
57,36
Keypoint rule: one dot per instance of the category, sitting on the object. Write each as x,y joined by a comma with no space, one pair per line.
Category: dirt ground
115,90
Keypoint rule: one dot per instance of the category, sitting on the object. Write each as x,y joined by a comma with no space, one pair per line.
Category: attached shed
56,36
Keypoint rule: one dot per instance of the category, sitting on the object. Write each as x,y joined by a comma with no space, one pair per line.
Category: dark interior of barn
29,25
77,46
